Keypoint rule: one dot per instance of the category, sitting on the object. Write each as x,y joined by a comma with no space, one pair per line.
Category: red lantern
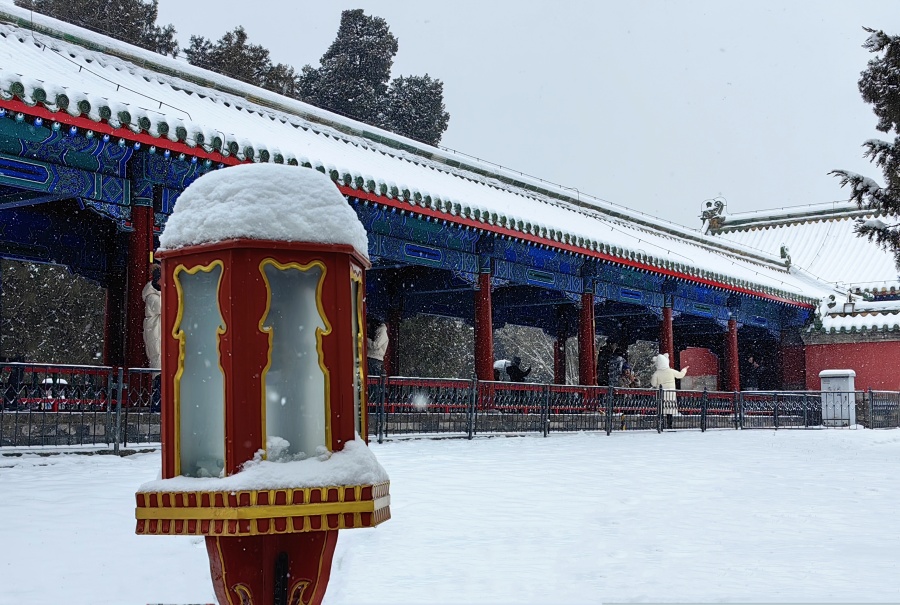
263,396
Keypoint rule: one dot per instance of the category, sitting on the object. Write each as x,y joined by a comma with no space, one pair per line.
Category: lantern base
259,570
262,512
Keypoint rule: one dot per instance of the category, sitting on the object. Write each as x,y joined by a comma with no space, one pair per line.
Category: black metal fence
65,405
70,405
405,406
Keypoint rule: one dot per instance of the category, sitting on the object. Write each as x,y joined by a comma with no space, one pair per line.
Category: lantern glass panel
200,390
296,379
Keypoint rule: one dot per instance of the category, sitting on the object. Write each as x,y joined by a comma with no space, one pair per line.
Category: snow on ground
739,516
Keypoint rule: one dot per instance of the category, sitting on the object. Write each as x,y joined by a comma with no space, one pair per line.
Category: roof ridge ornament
714,214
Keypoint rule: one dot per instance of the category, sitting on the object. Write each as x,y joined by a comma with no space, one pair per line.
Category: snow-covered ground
740,516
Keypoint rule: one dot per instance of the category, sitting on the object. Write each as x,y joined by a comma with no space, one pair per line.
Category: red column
484,329
140,245
586,332
559,360
731,356
666,335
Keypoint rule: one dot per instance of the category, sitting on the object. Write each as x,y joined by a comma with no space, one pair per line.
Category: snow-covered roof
864,316
819,238
79,75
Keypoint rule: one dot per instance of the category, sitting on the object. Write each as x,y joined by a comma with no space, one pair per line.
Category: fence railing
72,405
67,405
404,406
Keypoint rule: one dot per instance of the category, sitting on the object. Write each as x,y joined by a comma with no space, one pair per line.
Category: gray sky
653,105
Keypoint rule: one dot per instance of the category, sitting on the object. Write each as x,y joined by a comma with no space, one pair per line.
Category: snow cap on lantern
264,202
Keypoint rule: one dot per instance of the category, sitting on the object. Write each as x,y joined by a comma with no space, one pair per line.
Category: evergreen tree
880,86
354,80
355,70
232,56
436,347
49,315
132,21
283,79
415,109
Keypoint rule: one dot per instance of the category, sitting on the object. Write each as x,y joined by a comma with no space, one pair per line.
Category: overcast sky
654,105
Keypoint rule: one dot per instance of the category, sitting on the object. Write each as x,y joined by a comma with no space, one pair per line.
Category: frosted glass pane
295,382
202,386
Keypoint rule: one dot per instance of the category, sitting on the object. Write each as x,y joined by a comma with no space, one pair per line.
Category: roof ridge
758,220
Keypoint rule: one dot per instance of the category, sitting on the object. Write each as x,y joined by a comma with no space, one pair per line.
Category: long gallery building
99,138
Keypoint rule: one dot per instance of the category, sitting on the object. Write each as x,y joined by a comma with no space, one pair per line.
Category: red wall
702,362
875,363
793,367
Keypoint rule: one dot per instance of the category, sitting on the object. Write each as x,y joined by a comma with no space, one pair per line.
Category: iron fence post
16,428
546,410
118,412
897,408
871,408
659,409
470,412
610,394
775,411
739,398
805,410
703,408
109,393
380,408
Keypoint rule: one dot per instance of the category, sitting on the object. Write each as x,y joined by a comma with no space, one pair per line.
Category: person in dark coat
629,379
515,371
752,374
13,387
603,357
615,367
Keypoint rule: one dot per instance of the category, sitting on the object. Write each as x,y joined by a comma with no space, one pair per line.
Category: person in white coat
152,330
665,377
377,344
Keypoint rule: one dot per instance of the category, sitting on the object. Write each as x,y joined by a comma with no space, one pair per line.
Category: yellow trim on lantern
242,513
301,585
319,334
363,411
243,592
178,334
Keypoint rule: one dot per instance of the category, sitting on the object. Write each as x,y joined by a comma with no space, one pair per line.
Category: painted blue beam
23,199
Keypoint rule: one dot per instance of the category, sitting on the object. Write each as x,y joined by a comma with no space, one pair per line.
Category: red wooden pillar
559,359
586,334
731,356
484,329
667,336
140,245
